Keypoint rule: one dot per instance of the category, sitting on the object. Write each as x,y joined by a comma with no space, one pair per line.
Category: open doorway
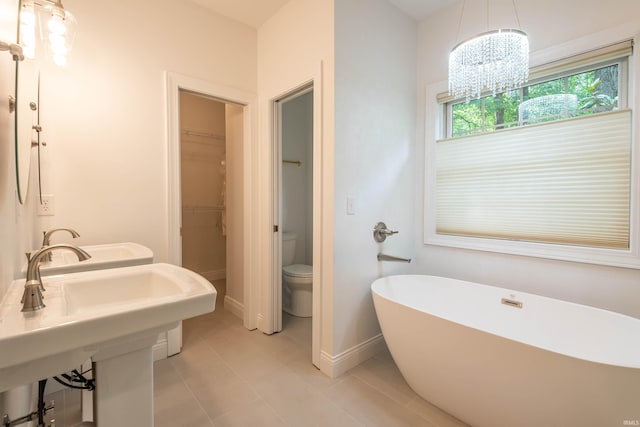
293,205
209,128
204,182
211,190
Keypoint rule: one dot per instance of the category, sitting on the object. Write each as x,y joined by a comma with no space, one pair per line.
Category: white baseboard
234,306
334,366
260,322
214,274
159,349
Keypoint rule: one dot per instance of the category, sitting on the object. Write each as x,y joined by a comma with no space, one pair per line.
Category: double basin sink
89,312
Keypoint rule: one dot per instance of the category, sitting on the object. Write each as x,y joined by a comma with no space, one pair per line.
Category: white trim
322,214
159,349
617,258
276,167
174,340
174,83
234,306
334,366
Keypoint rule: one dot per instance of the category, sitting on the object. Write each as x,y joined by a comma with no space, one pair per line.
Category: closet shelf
203,208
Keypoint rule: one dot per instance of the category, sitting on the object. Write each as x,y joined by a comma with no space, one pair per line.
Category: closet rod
293,162
203,134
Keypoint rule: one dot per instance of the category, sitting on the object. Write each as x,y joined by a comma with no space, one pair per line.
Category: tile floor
229,376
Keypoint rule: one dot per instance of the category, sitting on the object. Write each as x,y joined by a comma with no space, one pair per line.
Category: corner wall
549,24
375,105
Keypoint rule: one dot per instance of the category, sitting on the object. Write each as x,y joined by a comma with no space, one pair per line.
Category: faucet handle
28,255
380,232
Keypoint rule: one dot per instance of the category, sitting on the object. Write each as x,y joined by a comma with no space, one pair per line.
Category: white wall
549,24
104,114
375,105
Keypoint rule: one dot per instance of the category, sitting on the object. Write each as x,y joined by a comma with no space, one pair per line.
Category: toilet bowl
297,280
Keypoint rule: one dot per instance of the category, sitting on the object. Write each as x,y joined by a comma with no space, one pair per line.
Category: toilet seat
298,270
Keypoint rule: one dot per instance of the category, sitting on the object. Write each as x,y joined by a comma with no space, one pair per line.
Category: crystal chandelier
495,61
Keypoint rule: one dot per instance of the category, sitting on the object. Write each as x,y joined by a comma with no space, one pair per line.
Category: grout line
192,394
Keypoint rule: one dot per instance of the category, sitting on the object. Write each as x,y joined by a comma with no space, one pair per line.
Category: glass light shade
495,61
28,30
61,29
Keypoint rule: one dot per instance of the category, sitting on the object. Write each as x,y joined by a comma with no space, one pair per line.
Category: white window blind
565,182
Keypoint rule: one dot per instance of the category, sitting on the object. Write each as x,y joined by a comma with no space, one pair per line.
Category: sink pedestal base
124,387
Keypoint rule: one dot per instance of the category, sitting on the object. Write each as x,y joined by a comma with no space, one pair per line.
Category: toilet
297,280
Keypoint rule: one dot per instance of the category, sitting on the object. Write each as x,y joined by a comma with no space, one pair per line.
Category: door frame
175,82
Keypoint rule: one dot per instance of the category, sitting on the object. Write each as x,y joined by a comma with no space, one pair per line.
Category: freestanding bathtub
495,357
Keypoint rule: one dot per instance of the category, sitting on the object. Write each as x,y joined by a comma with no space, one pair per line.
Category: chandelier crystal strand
496,61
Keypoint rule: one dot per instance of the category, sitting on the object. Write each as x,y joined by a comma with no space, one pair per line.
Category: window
544,169
583,93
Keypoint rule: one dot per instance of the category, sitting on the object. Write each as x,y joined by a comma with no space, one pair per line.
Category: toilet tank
288,247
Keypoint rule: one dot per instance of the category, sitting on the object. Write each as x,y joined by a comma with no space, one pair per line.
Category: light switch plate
351,209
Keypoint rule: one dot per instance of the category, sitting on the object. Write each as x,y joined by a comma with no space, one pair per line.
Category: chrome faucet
32,296
46,240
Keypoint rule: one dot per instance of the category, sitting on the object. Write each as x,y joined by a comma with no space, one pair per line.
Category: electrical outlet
46,207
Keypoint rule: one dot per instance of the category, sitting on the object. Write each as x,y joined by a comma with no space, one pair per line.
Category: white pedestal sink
111,255
111,316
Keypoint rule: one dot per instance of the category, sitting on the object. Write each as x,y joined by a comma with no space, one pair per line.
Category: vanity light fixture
495,61
47,22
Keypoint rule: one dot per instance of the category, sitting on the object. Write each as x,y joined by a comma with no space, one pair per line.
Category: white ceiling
249,12
420,9
256,12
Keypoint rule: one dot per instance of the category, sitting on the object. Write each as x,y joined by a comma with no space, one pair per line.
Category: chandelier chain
460,22
487,23
515,10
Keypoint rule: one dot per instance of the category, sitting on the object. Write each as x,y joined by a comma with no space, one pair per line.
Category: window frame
435,129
